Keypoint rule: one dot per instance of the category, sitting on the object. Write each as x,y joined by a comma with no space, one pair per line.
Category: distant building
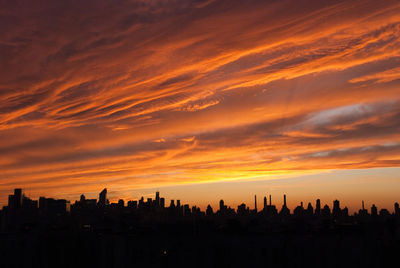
285,210
309,210
15,200
317,207
103,198
299,210
121,203
53,207
363,212
270,210
384,212
186,210
374,210
326,211
157,199
265,202
221,205
132,204
209,211
336,211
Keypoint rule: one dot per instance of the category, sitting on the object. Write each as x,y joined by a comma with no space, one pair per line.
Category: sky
201,100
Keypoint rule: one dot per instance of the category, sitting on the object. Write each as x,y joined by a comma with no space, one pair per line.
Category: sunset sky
201,100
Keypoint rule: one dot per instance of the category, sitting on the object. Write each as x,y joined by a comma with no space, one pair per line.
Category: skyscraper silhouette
103,198
374,210
157,199
285,210
265,202
336,208
317,207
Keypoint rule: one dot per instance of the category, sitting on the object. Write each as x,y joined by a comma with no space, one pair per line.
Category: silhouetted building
345,212
121,203
242,210
384,213
374,210
54,207
317,207
309,210
28,204
336,209
270,210
363,212
299,210
15,200
91,203
149,202
103,198
186,210
209,211
132,204
18,198
326,212
285,210
157,199
222,207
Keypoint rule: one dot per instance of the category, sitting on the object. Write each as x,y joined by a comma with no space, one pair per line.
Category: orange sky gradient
299,97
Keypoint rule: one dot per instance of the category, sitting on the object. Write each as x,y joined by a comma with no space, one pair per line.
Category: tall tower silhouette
17,198
103,198
255,203
336,211
284,211
318,207
157,198
265,202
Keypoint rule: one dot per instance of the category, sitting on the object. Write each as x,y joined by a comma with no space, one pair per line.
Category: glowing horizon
147,94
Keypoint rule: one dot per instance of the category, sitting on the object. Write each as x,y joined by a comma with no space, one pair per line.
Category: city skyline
262,203
201,98
94,232
20,201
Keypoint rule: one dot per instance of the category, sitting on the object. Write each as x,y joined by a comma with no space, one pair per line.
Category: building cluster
18,202
21,209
